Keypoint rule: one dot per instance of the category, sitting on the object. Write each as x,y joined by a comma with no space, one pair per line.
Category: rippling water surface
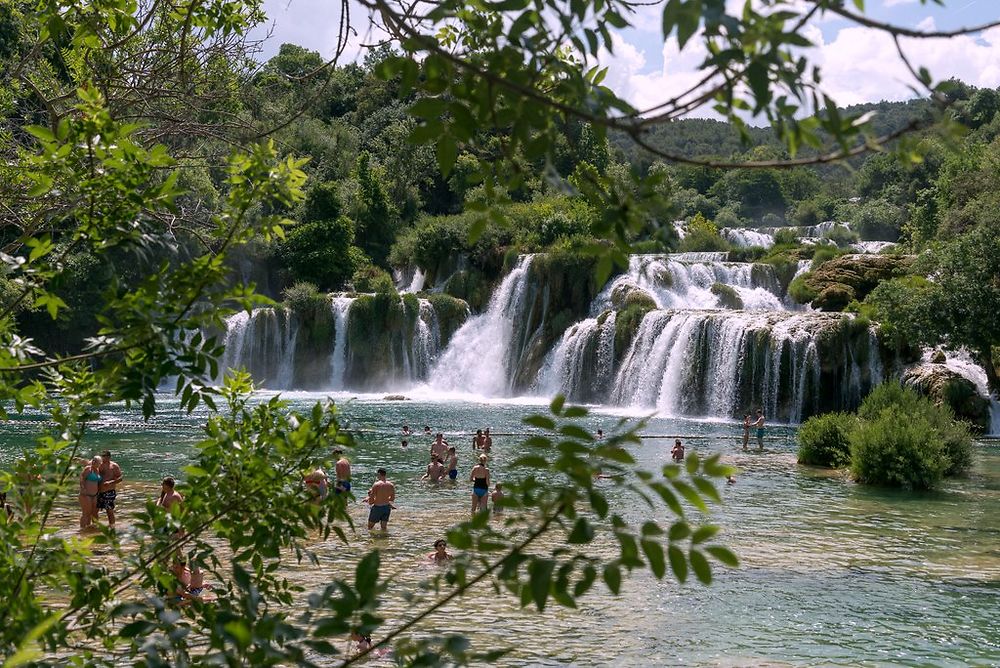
832,573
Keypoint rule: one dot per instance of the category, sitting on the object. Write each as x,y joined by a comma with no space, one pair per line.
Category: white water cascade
338,359
696,280
264,343
480,357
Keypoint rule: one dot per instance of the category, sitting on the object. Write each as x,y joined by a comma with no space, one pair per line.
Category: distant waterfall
264,343
686,280
746,237
481,355
723,363
338,360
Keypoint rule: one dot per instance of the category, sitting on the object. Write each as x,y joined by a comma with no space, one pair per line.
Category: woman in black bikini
480,485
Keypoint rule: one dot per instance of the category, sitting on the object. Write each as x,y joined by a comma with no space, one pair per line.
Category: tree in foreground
111,107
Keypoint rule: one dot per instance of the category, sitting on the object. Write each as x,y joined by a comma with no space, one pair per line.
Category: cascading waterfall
686,280
481,354
745,237
338,360
264,343
723,363
581,366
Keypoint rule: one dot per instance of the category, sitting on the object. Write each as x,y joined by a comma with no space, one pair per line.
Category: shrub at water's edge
824,440
898,449
898,439
451,314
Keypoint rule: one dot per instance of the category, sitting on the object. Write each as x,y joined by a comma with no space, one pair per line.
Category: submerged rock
945,386
395,397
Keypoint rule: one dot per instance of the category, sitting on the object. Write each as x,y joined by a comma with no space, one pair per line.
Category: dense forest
378,203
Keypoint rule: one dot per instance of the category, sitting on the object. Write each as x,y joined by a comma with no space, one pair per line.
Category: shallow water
832,573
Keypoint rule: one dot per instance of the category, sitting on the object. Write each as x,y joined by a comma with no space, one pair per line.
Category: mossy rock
379,328
728,297
834,297
451,314
626,325
627,295
472,287
845,278
946,387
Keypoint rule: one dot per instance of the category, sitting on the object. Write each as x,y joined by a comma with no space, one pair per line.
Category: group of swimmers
99,482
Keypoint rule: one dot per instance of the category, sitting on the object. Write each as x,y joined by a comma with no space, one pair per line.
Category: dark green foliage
312,312
824,440
844,237
376,220
702,236
373,279
879,220
322,252
786,238
379,328
960,307
897,449
952,436
627,324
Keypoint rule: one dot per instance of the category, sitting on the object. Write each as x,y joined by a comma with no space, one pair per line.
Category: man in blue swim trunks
343,472
452,463
380,498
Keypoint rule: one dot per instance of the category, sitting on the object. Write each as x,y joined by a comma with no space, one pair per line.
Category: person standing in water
746,431
318,483
380,498
452,464
435,471
480,484
478,440
496,496
169,497
487,441
677,454
90,486
439,448
111,475
759,424
342,469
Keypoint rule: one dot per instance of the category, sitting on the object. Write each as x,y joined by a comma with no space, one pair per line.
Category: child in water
495,497
440,554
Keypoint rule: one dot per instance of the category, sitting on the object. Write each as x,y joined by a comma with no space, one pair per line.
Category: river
832,573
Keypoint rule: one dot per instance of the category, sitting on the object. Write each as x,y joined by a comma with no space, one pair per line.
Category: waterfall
262,342
338,360
581,366
479,358
723,363
427,341
692,280
746,237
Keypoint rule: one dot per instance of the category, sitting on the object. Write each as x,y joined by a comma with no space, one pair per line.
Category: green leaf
679,531
576,431
690,494
447,154
704,533
557,404
532,461
366,575
691,463
678,564
700,566
586,581
613,578
723,554
654,555
540,578
540,421
582,532
599,503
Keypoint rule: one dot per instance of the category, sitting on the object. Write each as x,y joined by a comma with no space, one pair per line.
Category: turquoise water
832,573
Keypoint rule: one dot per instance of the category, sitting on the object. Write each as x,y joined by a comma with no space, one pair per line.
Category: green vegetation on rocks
451,314
728,297
839,281
379,331
373,279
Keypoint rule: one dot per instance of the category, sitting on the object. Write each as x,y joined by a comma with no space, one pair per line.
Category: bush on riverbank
824,440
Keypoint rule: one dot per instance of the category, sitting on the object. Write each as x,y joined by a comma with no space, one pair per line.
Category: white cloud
858,65
893,3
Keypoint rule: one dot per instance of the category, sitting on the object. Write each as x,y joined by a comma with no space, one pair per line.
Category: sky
859,64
